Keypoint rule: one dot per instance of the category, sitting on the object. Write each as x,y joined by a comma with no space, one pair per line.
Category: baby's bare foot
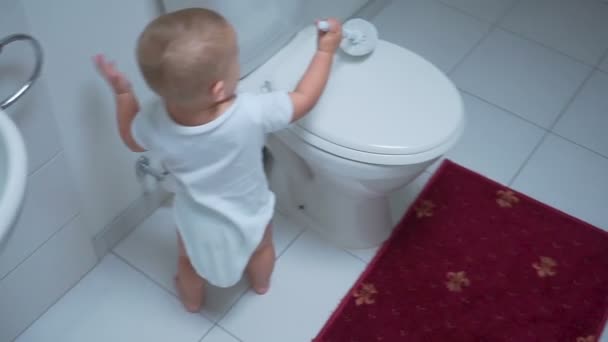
190,294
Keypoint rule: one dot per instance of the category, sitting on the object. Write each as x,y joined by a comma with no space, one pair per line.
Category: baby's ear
218,91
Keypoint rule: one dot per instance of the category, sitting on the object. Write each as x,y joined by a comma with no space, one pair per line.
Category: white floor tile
495,143
116,303
568,177
309,281
578,28
400,202
365,254
490,10
217,334
284,232
439,33
152,248
521,76
586,120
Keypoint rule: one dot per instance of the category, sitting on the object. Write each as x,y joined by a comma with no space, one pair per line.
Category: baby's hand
330,41
115,78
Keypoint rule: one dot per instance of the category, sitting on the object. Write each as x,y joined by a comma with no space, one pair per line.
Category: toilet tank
265,26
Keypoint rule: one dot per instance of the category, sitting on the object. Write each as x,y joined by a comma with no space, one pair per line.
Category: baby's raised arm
311,86
126,102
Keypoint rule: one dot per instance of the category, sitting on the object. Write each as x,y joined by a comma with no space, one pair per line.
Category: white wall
50,249
71,32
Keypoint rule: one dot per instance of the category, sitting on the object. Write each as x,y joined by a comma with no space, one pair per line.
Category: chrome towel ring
39,58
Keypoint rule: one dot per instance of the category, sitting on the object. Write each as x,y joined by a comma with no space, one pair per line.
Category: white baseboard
130,218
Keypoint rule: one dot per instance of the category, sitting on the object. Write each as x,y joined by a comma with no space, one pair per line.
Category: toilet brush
360,36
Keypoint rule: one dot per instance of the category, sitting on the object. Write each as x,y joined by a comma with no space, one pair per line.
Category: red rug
475,261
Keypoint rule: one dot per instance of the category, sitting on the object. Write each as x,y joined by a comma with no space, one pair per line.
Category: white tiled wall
49,203
71,32
45,276
50,249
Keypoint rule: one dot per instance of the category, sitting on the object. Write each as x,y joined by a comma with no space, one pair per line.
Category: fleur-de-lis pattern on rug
457,281
365,294
506,198
425,209
546,267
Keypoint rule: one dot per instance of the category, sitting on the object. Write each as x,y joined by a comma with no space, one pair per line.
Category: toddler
211,139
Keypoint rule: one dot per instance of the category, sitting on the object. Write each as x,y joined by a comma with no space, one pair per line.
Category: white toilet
381,121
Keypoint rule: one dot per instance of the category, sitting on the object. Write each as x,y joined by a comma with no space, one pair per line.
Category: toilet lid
390,102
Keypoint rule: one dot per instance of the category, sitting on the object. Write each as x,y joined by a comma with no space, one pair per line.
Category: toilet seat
367,157
417,111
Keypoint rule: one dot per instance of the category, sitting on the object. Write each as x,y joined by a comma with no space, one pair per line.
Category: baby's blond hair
183,53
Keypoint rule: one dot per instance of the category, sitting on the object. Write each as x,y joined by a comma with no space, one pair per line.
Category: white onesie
222,201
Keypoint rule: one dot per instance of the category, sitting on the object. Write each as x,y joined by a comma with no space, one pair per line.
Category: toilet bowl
381,121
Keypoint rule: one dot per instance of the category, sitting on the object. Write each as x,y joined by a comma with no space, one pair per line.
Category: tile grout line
161,286
588,149
575,95
356,256
42,244
138,270
304,229
213,322
550,130
471,50
230,309
229,333
506,110
465,12
365,262
207,332
52,305
499,24
530,155
42,165
548,47
528,121
492,27
225,314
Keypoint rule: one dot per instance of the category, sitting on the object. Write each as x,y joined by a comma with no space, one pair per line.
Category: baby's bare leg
190,286
261,264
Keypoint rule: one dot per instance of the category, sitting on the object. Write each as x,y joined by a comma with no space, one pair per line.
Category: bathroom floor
534,77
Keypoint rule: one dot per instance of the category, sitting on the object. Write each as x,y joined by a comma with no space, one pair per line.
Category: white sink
13,175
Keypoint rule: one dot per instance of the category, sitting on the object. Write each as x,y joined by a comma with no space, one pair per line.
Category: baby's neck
197,117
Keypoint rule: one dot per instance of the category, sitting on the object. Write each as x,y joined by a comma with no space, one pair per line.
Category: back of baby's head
181,54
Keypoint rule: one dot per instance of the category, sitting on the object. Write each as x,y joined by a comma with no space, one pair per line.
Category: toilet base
347,219
368,228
